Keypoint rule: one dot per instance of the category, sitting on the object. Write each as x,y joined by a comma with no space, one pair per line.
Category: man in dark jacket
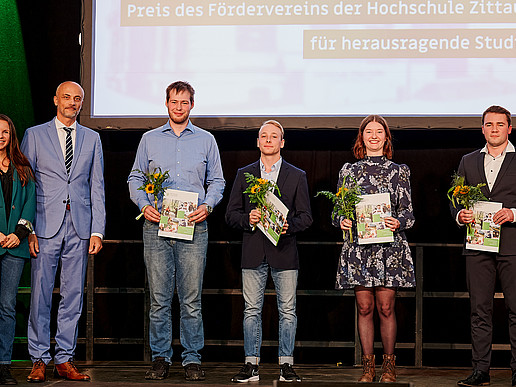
495,166
259,254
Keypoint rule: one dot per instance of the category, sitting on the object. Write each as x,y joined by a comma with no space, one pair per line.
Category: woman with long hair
17,210
376,270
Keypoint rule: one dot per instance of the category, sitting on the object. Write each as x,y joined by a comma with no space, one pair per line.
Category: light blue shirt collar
190,127
273,174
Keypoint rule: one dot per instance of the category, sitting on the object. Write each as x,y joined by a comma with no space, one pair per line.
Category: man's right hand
255,216
33,245
151,214
465,216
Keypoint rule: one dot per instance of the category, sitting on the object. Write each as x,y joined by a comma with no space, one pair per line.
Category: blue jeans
174,263
285,283
10,273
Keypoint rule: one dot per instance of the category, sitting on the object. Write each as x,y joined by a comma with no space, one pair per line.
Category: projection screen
312,63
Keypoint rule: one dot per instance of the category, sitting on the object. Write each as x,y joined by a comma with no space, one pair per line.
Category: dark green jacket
23,206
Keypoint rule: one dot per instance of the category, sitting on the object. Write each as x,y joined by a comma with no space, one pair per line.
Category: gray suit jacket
84,186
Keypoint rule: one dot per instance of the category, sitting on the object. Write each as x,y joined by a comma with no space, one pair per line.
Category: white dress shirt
61,134
492,167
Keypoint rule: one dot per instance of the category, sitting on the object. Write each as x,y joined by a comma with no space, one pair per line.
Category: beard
70,113
180,120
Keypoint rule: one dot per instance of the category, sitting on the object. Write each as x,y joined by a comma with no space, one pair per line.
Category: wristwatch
27,224
208,208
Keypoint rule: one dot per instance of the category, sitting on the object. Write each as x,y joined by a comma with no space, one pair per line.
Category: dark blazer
23,206
504,190
256,247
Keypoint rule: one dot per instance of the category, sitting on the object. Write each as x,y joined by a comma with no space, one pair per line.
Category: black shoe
477,378
194,371
514,377
248,373
287,374
5,375
159,369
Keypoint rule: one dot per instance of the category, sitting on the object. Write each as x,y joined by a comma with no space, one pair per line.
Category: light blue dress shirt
192,160
273,174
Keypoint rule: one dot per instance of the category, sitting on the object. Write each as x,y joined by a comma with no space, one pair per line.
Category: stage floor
114,374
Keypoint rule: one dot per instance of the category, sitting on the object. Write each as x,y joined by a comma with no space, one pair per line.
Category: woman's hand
10,242
346,224
392,223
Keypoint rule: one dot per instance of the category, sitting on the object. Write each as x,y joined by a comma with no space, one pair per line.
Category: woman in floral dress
375,271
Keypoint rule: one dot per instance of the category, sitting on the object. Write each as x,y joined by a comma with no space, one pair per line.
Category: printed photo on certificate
371,213
484,234
177,205
274,217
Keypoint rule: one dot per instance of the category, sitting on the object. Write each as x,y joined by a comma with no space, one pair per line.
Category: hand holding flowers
153,184
344,202
257,190
464,195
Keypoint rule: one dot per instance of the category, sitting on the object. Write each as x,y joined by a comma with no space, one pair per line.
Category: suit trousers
481,272
71,253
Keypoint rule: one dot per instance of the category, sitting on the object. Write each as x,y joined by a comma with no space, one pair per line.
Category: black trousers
481,272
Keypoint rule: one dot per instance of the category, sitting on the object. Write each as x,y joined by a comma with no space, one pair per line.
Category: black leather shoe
477,378
5,375
514,377
159,369
194,371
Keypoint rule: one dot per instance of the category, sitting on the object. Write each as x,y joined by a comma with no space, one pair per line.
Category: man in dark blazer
259,255
495,166
68,166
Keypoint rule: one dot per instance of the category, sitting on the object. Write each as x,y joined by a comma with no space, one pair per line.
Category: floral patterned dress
380,264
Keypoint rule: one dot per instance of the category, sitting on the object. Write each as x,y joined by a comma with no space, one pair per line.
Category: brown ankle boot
388,369
368,372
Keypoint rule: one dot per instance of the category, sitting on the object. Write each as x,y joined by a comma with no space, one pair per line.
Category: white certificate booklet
177,205
274,217
371,213
484,234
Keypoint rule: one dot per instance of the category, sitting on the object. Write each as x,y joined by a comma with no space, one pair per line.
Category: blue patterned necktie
68,149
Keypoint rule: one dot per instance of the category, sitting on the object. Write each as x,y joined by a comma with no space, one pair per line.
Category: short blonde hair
274,123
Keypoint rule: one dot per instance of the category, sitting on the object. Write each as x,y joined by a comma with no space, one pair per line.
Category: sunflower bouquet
257,190
153,184
464,195
345,200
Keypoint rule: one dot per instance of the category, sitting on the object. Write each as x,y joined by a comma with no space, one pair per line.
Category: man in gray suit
495,166
70,219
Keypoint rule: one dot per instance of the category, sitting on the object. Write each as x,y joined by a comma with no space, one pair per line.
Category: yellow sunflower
149,188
